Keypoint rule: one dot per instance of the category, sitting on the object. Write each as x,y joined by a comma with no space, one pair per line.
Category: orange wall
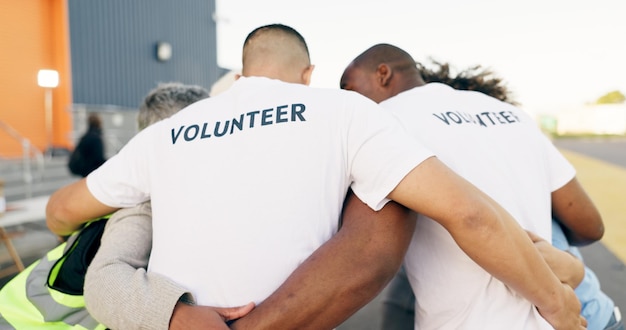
34,35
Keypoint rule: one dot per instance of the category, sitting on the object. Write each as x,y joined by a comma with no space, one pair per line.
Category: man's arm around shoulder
341,276
490,236
71,206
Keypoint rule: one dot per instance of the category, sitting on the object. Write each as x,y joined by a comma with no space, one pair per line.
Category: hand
569,269
204,317
567,315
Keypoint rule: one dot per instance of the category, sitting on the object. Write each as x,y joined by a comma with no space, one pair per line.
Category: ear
383,74
306,74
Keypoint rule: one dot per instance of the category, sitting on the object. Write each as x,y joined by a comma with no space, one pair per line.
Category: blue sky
553,54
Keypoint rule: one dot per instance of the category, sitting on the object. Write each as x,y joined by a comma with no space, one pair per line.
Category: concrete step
45,177
37,188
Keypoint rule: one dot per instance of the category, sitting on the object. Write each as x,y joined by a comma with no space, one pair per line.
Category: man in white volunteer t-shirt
261,172
496,147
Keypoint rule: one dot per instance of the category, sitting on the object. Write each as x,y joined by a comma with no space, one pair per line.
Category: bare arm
331,285
338,279
569,269
71,206
342,275
580,219
490,236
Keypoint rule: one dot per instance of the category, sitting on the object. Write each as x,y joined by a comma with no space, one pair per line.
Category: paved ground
601,169
604,179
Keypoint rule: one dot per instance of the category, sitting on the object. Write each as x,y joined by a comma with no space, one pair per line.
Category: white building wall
593,119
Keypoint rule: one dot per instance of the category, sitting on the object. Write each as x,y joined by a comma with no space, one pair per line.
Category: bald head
277,51
381,72
384,53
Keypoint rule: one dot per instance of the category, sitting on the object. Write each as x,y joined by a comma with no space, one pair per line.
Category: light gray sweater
118,291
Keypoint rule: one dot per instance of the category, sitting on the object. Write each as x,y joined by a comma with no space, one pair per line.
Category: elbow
598,233
476,223
596,230
591,236
55,215
591,233
52,216
475,220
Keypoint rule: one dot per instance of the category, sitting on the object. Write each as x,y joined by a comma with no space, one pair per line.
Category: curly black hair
475,78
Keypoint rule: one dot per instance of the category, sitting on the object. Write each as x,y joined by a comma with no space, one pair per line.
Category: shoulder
143,210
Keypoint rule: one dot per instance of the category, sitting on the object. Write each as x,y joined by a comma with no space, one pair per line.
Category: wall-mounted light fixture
163,51
48,79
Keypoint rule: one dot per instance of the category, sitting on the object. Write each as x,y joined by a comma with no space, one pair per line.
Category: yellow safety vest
49,293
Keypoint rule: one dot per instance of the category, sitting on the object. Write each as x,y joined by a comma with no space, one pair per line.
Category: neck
272,72
408,83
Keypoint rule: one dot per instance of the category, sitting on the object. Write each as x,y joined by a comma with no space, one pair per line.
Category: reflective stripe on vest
27,302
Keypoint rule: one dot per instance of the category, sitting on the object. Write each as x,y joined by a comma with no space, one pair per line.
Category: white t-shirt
499,149
246,185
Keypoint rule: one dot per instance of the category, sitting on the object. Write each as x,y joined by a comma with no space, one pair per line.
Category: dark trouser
399,304
614,323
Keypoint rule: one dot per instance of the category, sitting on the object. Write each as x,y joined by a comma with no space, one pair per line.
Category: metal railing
29,152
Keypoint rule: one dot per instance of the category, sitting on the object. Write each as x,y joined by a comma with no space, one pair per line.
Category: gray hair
167,99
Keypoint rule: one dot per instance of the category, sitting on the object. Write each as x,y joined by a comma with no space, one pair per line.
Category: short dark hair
278,27
94,121
393,56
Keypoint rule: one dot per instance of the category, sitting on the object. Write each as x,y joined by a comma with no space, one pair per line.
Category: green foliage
613,97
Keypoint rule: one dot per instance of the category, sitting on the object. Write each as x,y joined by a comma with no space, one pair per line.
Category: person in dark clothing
89,153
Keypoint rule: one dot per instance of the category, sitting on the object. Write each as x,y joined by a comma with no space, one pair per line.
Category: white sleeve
123,180
381,153
560,169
